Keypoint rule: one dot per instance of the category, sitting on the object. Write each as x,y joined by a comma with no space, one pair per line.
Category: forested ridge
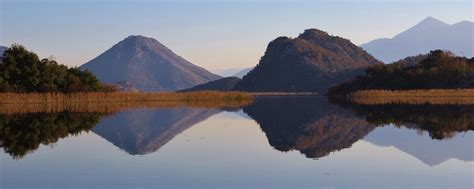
437,70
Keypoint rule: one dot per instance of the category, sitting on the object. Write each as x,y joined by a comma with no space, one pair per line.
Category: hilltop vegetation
438,70
22,71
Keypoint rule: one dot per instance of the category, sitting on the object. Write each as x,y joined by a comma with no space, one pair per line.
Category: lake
276,142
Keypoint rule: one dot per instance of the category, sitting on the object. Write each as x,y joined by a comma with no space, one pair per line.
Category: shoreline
428,96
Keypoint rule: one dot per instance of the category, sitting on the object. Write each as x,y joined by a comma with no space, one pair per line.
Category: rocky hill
312,62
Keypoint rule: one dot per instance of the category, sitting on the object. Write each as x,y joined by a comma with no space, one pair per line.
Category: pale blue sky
213,34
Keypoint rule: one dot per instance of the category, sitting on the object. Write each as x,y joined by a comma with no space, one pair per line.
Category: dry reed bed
432,96
11,103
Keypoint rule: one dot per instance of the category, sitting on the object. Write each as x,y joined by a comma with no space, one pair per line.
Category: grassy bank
432,96
117,101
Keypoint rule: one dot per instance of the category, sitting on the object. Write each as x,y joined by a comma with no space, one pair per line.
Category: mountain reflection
145,131
310,125
316,127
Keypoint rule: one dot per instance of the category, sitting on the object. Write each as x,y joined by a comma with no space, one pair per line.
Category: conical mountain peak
139,39
430,22
142,42
148,65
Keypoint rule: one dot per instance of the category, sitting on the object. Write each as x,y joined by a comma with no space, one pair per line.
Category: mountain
224,84
148,65
429,34
243,72
125,86
312,62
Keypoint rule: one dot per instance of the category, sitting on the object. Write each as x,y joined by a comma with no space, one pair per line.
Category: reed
431,96
11,103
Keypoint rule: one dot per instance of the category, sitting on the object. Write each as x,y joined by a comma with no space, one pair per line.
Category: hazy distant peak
465,22
2,48
430,21
426,25
427,35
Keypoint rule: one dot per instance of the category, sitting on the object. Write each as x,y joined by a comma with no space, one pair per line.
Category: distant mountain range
2,49
224,84
147,65
243,72
429,34
312,62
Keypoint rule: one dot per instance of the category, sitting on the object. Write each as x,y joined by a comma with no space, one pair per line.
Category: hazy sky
212,34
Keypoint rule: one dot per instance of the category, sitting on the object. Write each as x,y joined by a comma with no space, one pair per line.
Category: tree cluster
437,70
23,71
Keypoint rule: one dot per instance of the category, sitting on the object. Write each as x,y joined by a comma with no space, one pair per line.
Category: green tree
22,71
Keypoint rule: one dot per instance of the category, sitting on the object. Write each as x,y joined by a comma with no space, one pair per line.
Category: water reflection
418,144
316,127
440,121
311,125
145,131
23,133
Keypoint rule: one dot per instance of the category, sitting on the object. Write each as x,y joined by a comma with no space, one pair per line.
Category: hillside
312,62
148,66
224,84
437,70
243,72
427,35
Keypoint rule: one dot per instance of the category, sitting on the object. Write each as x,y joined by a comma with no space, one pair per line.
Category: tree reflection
23,133
316,127
440,121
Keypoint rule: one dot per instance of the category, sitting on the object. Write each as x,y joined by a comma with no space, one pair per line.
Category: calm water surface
273,143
